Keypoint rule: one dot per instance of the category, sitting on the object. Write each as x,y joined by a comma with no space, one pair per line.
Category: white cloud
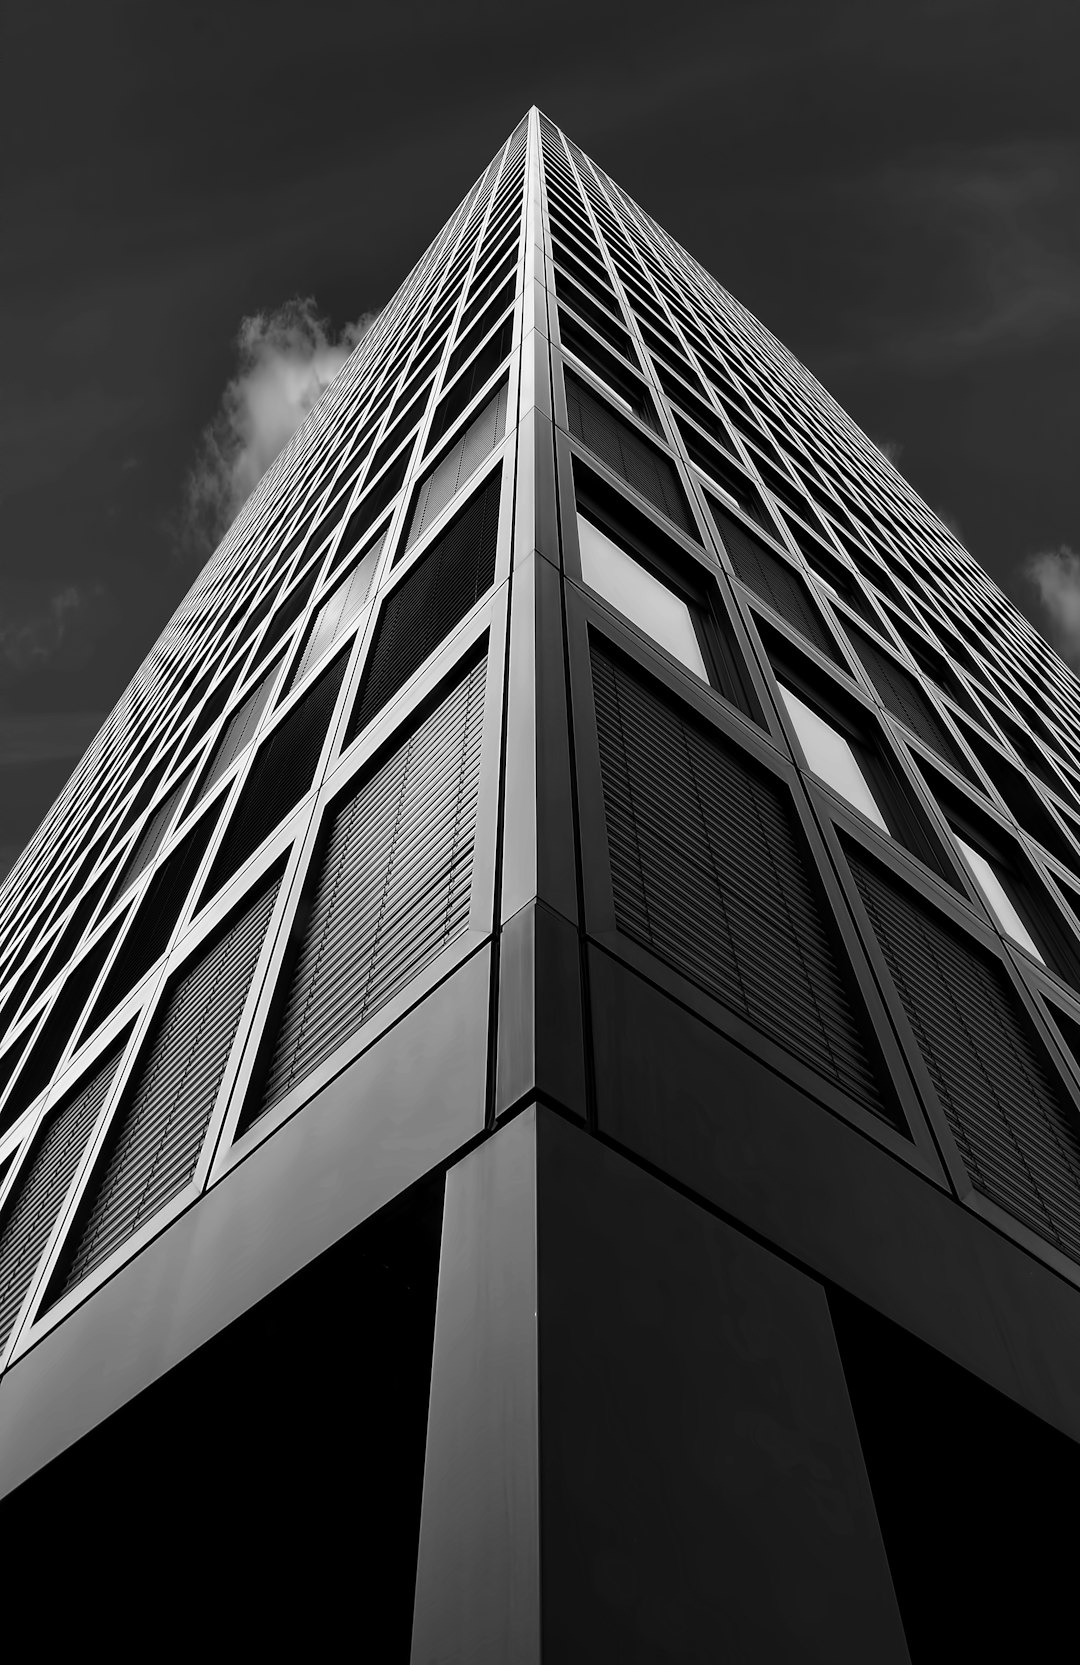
1055,576
285,359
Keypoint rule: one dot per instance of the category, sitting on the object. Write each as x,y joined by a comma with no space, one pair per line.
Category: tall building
540,1048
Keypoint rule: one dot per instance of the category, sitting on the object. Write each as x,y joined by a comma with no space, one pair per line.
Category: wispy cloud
31,638
992,225
1005,206
285,359
1055,577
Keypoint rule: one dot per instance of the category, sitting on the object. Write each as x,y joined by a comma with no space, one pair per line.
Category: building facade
540,1048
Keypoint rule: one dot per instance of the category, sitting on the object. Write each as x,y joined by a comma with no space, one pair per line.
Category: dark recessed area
265,1492
973,1494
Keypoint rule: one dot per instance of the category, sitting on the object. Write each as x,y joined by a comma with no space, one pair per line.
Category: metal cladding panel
55,1032
68,941
153,835
238,731
464,390
773,580
475,331
625,451
160,908
283,771
290,610
479,439
719,467
42,1188
336,613
438,592
1015,1129
374,501
157,1134
707,872
214,703
393,889
901,695
17,994
596,316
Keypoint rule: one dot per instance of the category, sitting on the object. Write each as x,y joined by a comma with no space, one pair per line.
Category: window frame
1043,917
617,519
907,824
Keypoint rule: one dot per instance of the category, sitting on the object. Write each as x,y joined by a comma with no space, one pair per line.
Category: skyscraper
540,1048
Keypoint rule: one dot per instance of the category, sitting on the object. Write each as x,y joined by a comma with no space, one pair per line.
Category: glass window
996,897
616,398
830,756
639,596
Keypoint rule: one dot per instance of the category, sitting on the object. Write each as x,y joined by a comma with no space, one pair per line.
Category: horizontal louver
708,872
1014,1126
420,613
42,1187
770,577
283,771
393,888
901,695
626,452
463,458
158,1132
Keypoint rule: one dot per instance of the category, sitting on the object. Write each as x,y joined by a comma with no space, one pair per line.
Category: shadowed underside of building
539,1048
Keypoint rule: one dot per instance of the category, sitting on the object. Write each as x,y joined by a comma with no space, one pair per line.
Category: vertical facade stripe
157,1133
447,580
33,1207
708,873
1014,1126
393,888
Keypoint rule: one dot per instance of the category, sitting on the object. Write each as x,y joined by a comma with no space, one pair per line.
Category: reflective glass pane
643,599
829,755
997,898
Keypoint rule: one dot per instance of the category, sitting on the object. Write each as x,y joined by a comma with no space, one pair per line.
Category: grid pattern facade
310,760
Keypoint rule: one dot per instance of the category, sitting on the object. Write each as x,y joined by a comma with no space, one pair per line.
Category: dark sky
894,189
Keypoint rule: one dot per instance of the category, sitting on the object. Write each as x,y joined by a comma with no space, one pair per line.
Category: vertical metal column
478,1574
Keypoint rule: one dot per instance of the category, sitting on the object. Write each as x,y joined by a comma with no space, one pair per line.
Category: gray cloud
30,640
993,226
1055,577
1005,204
285,359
